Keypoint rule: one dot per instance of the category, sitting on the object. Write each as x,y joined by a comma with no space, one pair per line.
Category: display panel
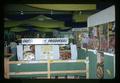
47,52
111,48
102,37
65,52
81,37
29,52
100,65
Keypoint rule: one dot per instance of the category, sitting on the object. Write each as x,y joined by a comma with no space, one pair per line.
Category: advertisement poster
29,52
100,65
45,52
111,27
102,37
65,53
81,37
103,29
94,40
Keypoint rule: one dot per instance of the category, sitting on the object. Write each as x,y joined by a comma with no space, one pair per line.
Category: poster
94,42
100,65
47,52
65,53
28,52
102,37
111,27
81,37
103,29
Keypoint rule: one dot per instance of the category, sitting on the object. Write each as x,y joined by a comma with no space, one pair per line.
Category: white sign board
73,52
44,40
104,16
80,29
20,52
42,52
45,52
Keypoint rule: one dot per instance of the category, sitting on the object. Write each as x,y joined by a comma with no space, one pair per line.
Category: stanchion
87,67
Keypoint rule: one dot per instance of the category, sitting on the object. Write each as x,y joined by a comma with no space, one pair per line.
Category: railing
48,72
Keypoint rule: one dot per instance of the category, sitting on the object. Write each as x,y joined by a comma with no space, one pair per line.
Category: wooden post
6,67
48,69
87,67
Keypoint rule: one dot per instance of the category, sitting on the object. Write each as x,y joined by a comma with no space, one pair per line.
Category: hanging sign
44,40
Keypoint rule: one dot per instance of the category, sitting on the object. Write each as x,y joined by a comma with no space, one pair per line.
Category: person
13,47
32,47
85,41
95,43
5,48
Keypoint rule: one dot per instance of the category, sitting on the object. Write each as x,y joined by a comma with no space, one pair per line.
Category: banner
44,40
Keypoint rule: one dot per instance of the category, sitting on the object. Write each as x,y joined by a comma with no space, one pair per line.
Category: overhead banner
44,41
80,29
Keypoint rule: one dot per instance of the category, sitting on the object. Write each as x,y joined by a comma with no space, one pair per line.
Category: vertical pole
48,69
114,64
6,68
108,26
87,67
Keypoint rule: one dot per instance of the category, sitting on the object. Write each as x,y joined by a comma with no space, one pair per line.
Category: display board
102,37
105,16
65,52
45,52
100,65
111,37
45,41
81,37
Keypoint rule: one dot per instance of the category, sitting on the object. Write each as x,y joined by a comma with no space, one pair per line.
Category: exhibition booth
79,53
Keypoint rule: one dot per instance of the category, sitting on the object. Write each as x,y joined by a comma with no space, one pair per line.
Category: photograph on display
65,53
100,65
46,51
103,29
94,38
29,52
82,37
111,48
102,37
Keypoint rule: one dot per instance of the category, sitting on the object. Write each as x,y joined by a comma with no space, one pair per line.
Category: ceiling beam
80,17
65,7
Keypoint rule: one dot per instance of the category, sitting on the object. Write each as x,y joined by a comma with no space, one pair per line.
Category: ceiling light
80,12
21,12
40,19
51,12
5,19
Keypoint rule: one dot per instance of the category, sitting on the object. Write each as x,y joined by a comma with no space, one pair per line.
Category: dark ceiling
14,12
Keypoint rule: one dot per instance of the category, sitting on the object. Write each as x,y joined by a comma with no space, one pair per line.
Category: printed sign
44,40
